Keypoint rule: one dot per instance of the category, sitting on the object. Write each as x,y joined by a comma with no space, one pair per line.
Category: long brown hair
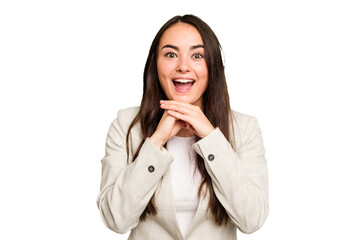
216,105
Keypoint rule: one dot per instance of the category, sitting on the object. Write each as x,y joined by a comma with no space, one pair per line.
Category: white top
186,180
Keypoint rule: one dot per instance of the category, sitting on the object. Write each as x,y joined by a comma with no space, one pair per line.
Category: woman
183,165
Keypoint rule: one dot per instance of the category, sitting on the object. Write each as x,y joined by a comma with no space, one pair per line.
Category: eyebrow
177,49
170,46
197,46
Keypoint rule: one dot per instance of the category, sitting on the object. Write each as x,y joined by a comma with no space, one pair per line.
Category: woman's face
181,64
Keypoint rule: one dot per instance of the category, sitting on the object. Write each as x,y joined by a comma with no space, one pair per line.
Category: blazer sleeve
127,188
240,178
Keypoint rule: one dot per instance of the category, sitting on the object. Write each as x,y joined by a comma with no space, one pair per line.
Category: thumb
179,124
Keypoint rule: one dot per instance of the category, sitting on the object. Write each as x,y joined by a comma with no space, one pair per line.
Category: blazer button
211,157
151,168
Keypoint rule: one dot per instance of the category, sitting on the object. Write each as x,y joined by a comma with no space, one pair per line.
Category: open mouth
183,85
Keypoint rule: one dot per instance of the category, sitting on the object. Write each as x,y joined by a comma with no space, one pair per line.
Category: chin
183,99
189,100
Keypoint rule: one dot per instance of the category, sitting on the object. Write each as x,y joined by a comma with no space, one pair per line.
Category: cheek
164,85
164,68
160,69
163,73
205,72
202,73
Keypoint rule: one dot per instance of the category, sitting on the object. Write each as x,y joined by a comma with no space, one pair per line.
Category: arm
127,188
239,177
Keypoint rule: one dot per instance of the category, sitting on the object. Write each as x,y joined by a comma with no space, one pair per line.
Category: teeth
183,80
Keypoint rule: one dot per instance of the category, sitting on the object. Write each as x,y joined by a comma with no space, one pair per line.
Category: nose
183,65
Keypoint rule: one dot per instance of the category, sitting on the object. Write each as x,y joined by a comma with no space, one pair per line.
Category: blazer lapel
164,196
201,211
166,206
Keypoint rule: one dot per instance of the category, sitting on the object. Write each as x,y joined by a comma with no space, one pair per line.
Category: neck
185,133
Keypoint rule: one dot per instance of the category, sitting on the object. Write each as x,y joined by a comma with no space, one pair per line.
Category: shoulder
127,113
243,119
124,118
244,126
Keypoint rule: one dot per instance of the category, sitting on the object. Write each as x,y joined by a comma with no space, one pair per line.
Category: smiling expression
181,64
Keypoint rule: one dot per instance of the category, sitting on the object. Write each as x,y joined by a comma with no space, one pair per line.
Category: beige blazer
239,178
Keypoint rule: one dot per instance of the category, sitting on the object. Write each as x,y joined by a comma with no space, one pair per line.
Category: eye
170,55
197,56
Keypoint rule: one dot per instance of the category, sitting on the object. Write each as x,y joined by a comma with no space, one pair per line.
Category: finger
170,116
177,127
180,107
180,116
176,108
184,105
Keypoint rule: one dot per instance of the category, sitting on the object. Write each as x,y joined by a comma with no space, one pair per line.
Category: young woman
184,165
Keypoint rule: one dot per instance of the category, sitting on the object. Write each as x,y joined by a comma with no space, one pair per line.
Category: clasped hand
178,115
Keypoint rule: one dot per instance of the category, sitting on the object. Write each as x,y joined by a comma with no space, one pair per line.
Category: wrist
157,141
210,130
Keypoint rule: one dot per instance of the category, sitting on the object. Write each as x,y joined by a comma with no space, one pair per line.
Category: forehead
181,34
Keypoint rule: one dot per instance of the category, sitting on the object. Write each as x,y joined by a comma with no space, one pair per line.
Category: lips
183,84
